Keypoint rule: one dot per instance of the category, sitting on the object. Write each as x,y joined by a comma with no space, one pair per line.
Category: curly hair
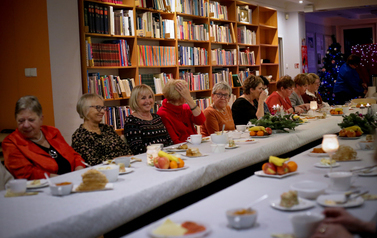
285,82
251,82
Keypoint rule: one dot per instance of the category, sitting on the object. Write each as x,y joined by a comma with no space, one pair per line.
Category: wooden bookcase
265,45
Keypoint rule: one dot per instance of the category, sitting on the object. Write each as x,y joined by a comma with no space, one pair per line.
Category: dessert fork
348,197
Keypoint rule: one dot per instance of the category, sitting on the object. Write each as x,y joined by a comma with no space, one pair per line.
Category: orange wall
24,43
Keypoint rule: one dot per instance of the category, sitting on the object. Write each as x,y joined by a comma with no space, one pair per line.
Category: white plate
323,200
244,141
349,138
262,174
195,235
357,159
128,170
194,156
109,186
318,154
174,149
260,136
303,204
233,147
43,183
204,139
171,170
336,115
360,173
319,165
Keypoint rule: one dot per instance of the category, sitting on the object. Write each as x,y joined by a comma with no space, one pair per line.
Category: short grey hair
142,88
83,103
222,86
28,103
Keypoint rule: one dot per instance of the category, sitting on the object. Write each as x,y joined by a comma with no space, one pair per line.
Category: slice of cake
193,152
289,199
92,180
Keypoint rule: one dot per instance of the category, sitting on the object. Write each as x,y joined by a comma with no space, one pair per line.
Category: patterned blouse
95,148
141,133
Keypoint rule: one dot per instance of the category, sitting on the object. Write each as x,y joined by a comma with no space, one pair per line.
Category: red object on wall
304,55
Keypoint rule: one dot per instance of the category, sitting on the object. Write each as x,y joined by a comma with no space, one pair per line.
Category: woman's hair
143,89
251,82
301,80
285,82
169,91
221,86
312,77
28,103
83,103
353,60
265,80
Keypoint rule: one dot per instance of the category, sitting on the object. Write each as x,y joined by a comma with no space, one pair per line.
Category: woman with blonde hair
311,93
301,84
179,111
143,128
93,140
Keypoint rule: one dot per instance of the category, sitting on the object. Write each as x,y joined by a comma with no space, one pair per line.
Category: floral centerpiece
367,123
277,122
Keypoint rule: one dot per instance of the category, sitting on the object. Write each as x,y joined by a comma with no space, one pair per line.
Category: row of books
150,24
192,7
192,55
218,11
222,33
246,57
203,103
121,22
224,56
187,30
163,5
96,18
109,53
112,1
222,75
243,74
244,14
246,36
116,116
196,81
155,81
156,55
110,86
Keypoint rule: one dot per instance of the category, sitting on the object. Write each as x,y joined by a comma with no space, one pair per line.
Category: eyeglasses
220,95
99,108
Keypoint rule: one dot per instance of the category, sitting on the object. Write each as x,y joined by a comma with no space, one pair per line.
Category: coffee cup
195,139
346,109
17,186
219,139
341,181
218,148
305,224
61,189
365,145
235,134
241,128
123,159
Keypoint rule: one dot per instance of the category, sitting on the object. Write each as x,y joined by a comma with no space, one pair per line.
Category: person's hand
331,231
364,85
338,215
184,91
263,96
79,167
299,109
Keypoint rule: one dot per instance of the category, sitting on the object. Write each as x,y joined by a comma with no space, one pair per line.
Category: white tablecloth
94,213
211,210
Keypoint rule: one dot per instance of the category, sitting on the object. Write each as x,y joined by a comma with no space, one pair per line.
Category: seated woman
219,113
179,111
265,88
144,128
94,141
311,93
251,104
301,84
33,150
281,96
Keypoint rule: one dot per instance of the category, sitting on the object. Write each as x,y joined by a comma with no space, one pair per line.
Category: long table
94,213
211,210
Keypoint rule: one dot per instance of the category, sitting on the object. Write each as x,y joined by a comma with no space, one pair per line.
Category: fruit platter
277,168
336,112
367,123
168,162
351,132
260,131
277,122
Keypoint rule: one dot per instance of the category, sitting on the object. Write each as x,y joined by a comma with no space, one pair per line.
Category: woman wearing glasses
94,141
311,93
144,128
33,150
251,104
179,111
219,113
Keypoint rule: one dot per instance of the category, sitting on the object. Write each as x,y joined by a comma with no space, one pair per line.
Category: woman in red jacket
33,149
179,111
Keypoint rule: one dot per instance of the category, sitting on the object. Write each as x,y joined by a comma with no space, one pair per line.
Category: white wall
63,27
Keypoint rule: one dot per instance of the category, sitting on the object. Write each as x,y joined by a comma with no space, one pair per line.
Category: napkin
9,194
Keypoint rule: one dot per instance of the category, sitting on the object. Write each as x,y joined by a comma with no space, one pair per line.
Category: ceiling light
300,1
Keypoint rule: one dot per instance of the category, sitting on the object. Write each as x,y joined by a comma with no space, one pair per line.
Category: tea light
313,106
330,145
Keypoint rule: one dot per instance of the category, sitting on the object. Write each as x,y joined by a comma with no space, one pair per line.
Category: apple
163,163
270,168
155,162
342,133
351,133
282,169
268,130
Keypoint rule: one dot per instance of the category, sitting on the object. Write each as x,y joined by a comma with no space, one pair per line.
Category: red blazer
275,99
24,159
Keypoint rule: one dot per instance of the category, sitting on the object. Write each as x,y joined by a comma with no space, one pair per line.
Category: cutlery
368,168
222,131
348,197
256,201
49,181
86,164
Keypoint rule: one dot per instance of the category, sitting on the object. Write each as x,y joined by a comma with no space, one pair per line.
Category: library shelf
111,67
155,39
191,16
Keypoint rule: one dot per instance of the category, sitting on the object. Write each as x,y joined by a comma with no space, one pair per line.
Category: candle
330,145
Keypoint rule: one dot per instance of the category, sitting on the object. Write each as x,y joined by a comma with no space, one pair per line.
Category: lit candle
330,145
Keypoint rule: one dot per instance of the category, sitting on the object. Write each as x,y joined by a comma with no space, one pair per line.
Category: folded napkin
10,194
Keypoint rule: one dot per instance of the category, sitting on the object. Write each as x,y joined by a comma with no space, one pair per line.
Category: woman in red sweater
179,111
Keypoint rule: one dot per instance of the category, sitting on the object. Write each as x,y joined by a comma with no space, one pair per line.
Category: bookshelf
246,41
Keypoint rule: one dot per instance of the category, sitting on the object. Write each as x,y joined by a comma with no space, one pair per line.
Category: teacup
123,159
241,128
61,189
218,148
366,145
346,109
195,139
304,224
17,186
219,139
341,181
241,221
235,134
111,171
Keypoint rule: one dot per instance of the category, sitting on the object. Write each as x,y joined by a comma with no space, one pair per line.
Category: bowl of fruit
260,131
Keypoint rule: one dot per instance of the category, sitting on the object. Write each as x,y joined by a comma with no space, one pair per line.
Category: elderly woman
33,150
281,96
179,111
251,104
144,128
301,84
219,113
94,141
311,93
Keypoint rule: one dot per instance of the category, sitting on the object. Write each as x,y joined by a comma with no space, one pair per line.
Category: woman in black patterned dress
94,141
144,128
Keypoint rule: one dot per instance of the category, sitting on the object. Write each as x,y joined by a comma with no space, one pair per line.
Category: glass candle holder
330,145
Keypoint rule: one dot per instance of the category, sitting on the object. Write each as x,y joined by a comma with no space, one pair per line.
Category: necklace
40,138
222,111
148,118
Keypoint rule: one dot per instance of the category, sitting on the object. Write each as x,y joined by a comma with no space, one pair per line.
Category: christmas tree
329,72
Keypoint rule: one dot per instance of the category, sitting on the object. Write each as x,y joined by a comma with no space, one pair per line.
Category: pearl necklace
40,138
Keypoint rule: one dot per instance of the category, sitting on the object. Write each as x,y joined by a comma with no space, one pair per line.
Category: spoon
49,181
256,201
222,132
87,165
